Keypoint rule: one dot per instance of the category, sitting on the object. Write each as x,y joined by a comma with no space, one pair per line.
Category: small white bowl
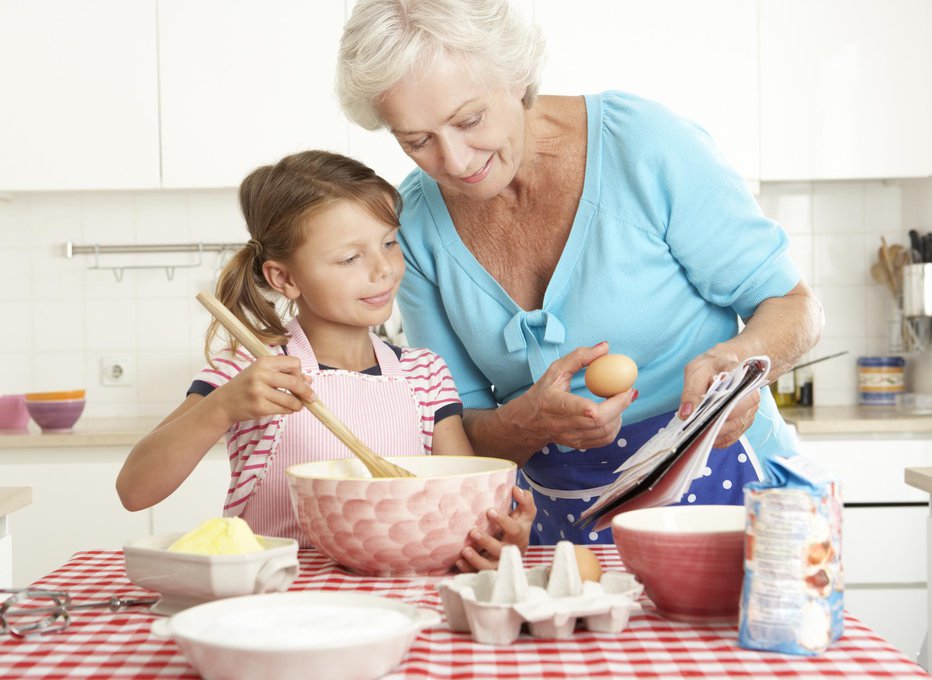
185,580
310,634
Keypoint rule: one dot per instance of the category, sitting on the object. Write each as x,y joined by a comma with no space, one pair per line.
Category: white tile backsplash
848,221
62,318
837,207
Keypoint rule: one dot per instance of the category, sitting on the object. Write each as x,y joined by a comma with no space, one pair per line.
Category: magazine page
660,472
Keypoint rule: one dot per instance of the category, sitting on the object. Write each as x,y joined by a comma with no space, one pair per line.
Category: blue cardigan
668,248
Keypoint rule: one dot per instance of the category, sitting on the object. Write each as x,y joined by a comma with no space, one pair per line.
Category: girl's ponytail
243,290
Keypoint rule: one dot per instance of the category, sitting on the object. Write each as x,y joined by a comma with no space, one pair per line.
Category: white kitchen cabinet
75,506
244,83
884,550
845,89
80,95
697,58
380,151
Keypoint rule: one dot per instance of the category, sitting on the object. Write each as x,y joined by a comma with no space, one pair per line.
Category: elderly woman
541,232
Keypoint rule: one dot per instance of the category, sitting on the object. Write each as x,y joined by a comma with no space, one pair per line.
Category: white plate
325,635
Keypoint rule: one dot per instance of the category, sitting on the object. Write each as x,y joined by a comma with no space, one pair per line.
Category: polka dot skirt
721,482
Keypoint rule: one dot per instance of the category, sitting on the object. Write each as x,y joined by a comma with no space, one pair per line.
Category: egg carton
494,605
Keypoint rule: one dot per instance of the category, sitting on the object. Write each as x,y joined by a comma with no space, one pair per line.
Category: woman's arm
163,459
783,328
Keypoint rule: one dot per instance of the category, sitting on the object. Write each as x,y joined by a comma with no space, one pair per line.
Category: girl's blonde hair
385,40
277,201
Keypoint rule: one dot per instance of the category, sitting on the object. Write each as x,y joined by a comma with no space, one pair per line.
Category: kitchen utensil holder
917,289
138,249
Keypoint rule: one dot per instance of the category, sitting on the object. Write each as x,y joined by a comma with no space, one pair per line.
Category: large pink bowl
690,558
398,526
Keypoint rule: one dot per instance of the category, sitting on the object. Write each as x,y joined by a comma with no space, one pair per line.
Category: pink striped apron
381,410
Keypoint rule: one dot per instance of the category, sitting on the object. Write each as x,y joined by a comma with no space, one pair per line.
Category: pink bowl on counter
56,416
690,558
398,526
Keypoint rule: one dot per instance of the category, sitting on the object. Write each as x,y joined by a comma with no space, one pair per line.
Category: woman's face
465,134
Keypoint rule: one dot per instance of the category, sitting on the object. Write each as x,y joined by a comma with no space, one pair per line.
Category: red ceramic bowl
690,558
55,416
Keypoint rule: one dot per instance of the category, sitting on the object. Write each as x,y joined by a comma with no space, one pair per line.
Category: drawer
872,470
898,615
884,545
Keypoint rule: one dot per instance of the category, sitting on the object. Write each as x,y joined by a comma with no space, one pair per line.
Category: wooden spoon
378,466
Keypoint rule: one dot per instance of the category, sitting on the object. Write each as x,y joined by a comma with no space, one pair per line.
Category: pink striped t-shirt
249,443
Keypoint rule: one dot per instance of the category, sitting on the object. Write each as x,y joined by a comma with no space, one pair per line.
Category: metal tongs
34,612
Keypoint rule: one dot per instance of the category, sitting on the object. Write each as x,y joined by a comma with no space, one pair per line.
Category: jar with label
880,379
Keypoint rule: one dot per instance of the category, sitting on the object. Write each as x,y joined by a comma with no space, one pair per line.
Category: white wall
61,319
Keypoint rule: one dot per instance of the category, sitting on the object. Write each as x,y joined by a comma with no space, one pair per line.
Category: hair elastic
256,247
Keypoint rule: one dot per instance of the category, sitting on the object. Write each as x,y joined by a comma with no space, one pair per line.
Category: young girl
323,233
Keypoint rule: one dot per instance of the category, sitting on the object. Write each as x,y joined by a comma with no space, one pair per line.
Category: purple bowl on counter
55,416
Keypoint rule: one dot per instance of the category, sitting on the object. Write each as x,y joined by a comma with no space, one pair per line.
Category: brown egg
611,374
588,564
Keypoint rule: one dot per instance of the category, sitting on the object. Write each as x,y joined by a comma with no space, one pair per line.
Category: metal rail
97,250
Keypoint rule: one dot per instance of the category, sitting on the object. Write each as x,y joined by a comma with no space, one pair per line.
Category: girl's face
465,134
347,271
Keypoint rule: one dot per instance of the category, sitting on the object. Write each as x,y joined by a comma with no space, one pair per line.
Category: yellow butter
219,536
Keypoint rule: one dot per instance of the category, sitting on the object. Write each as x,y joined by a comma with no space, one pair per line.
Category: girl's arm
515,529
163,459
450,438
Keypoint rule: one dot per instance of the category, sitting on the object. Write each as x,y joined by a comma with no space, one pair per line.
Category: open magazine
660,472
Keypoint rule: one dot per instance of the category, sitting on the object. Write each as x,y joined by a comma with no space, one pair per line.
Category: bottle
804,387
784,390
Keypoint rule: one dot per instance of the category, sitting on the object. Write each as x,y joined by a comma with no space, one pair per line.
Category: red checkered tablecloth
101,644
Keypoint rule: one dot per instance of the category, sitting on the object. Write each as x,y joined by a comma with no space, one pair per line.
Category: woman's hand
697,378
260,389
554,414
514,529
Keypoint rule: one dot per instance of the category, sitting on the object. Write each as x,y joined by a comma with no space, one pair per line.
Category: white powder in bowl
291,627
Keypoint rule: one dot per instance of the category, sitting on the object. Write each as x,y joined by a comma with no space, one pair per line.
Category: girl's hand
697,378
266,387
514,529
554,414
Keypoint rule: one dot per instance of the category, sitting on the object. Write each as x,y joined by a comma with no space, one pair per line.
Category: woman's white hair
385,40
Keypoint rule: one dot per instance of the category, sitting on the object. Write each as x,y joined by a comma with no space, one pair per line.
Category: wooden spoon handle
378,466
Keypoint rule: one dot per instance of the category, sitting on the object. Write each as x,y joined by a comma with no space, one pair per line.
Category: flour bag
793,595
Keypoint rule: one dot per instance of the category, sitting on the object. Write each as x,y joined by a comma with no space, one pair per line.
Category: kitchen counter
920,478
87,432
855,420
818,420
13,498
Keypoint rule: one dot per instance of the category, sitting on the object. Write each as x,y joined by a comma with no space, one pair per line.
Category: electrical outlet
116,372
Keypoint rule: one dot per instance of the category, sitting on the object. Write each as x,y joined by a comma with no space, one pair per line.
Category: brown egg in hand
590,569
611,374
